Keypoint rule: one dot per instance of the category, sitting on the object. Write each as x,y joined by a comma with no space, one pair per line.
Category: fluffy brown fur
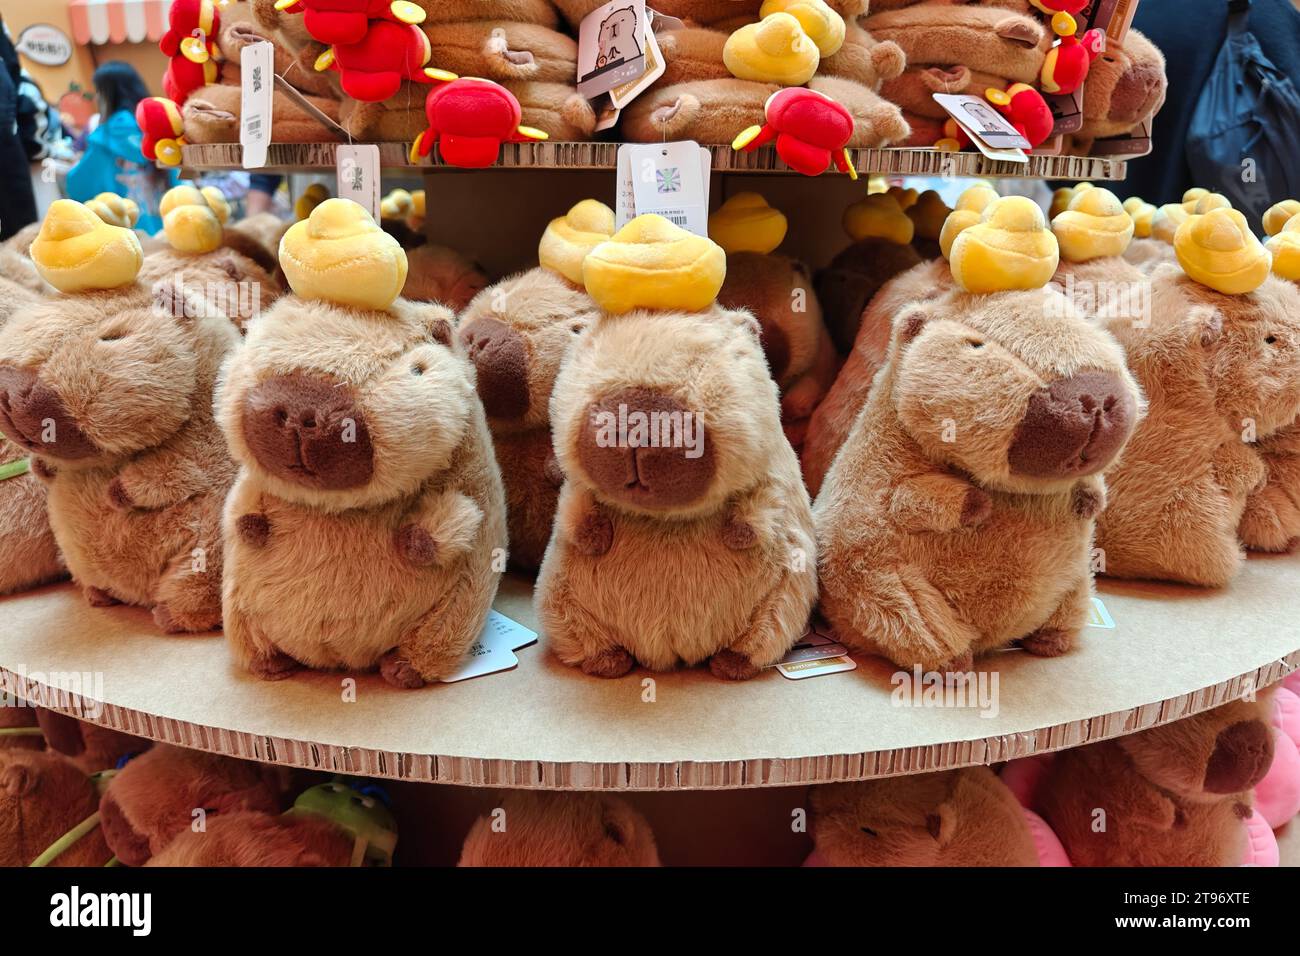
862,57
212,115
42,797
540,12
441,274
16,266
137,470
986,39
915,87
728,532
20,718
249,838
410,513
1149,254
90,747
1174,795
961,817
236,280
848,284
535,828
1271,520
1125,86
1221,372
957,518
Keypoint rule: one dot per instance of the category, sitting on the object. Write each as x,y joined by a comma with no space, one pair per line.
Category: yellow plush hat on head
928,214
1279,214
746,223
1094,226
878,216
570,238
774,50
339,254
1192,196
1062,198
76,250
311,197
970,207
1211,201
115,210
1285,249
823,25
190,224
1166,220
415,217
1142,212
396,205
652,264
1009,248
1218,250
217,202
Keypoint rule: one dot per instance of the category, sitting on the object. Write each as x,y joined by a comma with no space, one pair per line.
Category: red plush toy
811,131
373,68
160,125
469,119
191,43
1024,108
1066,65
346,21
1053,7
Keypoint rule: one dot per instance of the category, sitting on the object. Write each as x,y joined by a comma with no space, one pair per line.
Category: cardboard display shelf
1172,652
556,155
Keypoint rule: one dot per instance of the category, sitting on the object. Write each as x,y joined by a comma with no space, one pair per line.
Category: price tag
358,171
671,179
256,73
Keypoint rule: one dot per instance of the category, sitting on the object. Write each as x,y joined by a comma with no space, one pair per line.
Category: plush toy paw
98,597
1087,501
274,666
43,469
254,529
118,497
594,534
611,662
552,471
416,545
737,533
1048,642
732,665
889,60
976,508
172,621
399,672
954,671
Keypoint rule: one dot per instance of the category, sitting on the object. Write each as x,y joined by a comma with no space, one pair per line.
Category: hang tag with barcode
358,176
256,74
671,179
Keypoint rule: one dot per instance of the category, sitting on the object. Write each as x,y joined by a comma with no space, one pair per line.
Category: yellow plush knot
970,207
180,196
339,254
311,197
774,50
217,202
1210,202
1094,226
569,238
905,197
1219,250
396,205
1062,198
1285,248
1009,248
415,216
1192,197
746,223
190,224
877,216
928,214
1279,214
652,264
823,25
76,250
1167,219
115,210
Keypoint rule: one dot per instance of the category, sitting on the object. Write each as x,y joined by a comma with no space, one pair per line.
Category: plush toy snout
308,430
128,844
1074,427
31,412
500,358
1242,754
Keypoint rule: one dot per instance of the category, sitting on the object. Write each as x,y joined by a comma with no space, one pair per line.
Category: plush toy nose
644,448
501,361
32,415
128,844
1074,427
308,429
1242,754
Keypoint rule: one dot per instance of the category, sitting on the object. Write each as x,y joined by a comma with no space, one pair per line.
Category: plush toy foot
594,535
738,534
977,507
274,666
416,545
97,597
956,670
1048,642
1086,502
732,665
399,672
118,497
613,662
254,529
172,621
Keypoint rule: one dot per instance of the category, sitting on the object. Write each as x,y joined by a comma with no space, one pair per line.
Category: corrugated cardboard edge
679,775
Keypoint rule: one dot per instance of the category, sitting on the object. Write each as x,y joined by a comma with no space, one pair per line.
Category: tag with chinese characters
358,176
671,179
495,648
256,75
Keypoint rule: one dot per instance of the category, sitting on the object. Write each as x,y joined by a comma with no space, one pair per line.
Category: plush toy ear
942,823
17,781
1018,30
439,330
939,80
1206,325
62,733
910,322
616,830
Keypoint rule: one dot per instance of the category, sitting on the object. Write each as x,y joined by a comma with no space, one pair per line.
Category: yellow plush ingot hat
1285,249
1167,219
774,50
1009,248
396,205
311,197
571,237
1094,226
76,250
115,210
1062,198
652,264
970,207
1142,212
189,223
877,216
1192,196
823,25
1219,250
1209,202
339,254
1279,214
928,214
746,223
905,196
217,202
415,217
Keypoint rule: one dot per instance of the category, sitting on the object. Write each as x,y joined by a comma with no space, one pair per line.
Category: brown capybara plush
963,817
722,14
981,38
1271,520
111,391
539,828
1222,373
43,796
1126,85
91,747
441,274
363,449
249,838
957,517
19,729
1174,795
168,790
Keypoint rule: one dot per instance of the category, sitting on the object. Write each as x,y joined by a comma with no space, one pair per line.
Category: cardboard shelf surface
1173,651
558,155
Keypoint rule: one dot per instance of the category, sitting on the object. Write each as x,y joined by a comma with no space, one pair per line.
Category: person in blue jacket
113,161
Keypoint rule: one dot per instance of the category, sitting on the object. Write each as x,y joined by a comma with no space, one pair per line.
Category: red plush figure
191,43
1066,65
346,21
1053,7
811,131
373,68
469,119
160,125
1026,110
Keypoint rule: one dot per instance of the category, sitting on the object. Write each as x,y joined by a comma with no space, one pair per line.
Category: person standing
17,198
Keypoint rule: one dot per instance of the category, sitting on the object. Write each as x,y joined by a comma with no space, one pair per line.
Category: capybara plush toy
1271,519
1094,232
363,450
517,333
1174,795
539,828
1125,88
961,817
441,274
91,747
1222,369
667,429
44,797
111,391
958,516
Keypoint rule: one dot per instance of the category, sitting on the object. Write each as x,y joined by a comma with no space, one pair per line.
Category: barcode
254,125
676,220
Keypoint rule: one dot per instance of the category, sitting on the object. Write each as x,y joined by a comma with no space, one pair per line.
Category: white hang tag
625,93
494,650
670,179
358,176
611,46
256,73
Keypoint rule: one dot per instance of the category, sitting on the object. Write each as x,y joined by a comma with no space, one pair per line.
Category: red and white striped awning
118,21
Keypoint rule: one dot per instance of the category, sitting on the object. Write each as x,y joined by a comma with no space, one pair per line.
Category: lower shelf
1173,651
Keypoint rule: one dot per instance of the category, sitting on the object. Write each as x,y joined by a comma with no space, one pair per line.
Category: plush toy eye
868,831
417,369
577,329
113,336
975,343
1270,340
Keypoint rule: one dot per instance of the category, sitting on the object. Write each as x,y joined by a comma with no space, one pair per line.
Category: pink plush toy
1277,796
